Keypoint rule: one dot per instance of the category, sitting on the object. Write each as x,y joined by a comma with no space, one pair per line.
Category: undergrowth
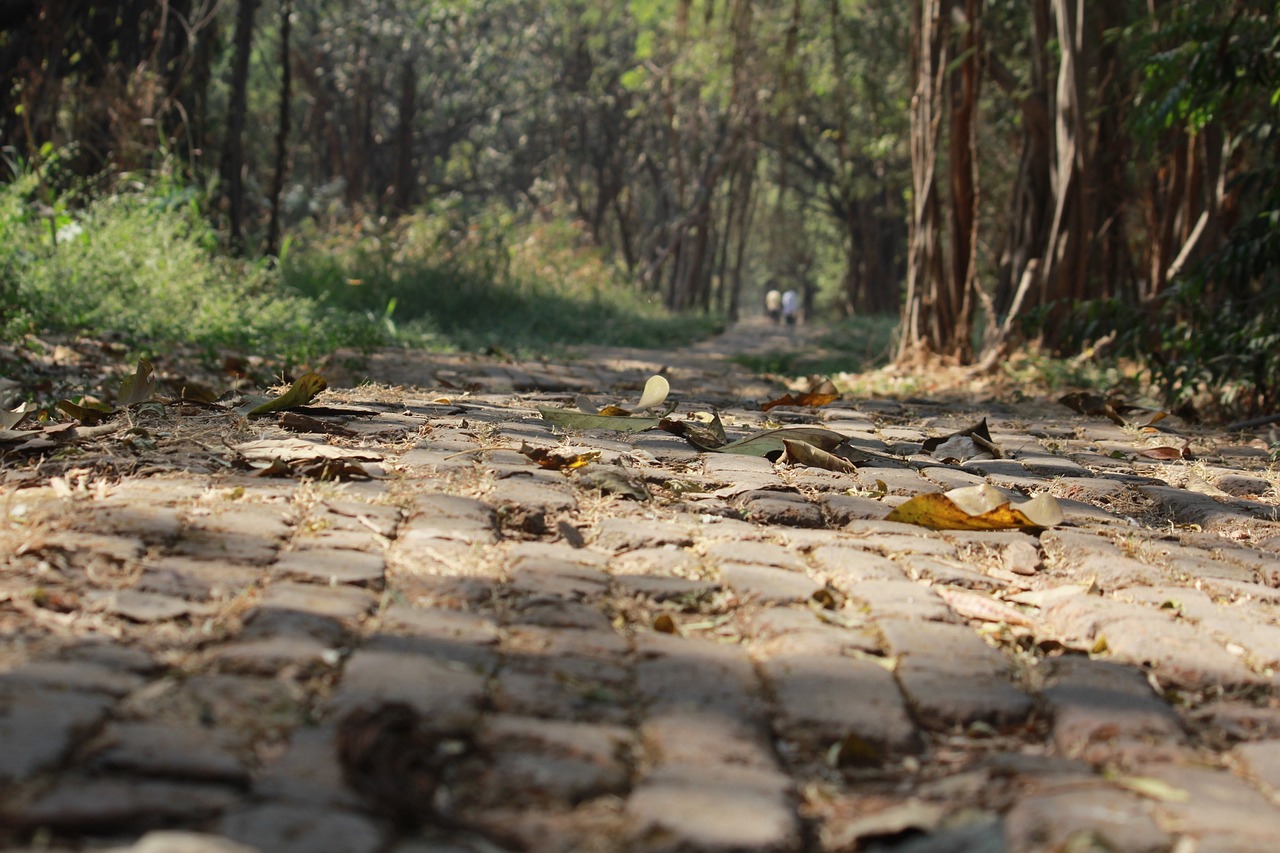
140,265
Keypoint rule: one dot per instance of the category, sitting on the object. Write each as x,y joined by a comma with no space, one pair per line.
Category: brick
529,506
540,763
154,524
1100,817
138,606
344,603
822,700
446,696
674,673
332,566
113,803
768,585
758,553
840,509
1098,706
713,808
847,566
952,677
1186,507
446,626
162,749
629,534
307,773
664,588
901,599
1219,807
245,708
786,508
72,675
197,579
285,828
1181,654
447,517
271,655
40,725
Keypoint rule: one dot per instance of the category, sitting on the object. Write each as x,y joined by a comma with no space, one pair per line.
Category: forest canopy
1086,176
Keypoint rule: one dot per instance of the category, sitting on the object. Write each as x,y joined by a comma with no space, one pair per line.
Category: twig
1253,422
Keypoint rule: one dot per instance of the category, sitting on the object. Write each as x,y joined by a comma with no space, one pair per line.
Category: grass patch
133,268
495,283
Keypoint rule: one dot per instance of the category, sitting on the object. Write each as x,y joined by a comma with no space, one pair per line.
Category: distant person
773,304
790,307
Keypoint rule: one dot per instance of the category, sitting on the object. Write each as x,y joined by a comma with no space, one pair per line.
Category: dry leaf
654,394
810,400
977,508
563,459
570,419
303,391
972,605
962,445
803,453
138,388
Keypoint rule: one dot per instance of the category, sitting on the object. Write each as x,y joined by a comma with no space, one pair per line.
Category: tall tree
233,163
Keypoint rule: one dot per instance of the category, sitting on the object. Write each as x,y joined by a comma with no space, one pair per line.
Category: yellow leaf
558,460
303,391
977,508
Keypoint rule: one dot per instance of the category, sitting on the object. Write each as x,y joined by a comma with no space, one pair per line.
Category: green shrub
132,266
449,280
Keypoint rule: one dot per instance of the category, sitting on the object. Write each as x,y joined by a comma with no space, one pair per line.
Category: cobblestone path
667,650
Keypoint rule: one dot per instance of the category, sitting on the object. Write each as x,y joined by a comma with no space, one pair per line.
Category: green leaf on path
303,391
569,419
138,388
771,443
87,413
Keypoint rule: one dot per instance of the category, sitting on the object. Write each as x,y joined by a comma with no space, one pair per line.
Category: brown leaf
977,508
558,460
811,400
803,453
978,434
1167,453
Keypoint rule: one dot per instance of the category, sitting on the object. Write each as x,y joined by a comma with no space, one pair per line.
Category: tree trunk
233,150
282,130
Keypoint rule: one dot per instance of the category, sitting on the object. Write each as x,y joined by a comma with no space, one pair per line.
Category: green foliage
1213,343
488,281
137,267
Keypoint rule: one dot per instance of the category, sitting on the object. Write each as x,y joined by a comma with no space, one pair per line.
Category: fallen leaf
972,605
968,443
810,400
563,459
655,393
299,449
1149,786
10,419
301,392
138,388
87,413
613,480
803,453
614,412
703,437
297,422
977,508
663,623
1167,453
570,419
771,443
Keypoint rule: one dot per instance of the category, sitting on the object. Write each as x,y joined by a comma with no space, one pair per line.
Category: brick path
478,654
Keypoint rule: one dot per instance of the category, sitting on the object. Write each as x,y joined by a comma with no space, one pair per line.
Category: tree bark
233,150
282,130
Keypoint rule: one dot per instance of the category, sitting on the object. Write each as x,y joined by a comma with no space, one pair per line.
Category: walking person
773,304
790,307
